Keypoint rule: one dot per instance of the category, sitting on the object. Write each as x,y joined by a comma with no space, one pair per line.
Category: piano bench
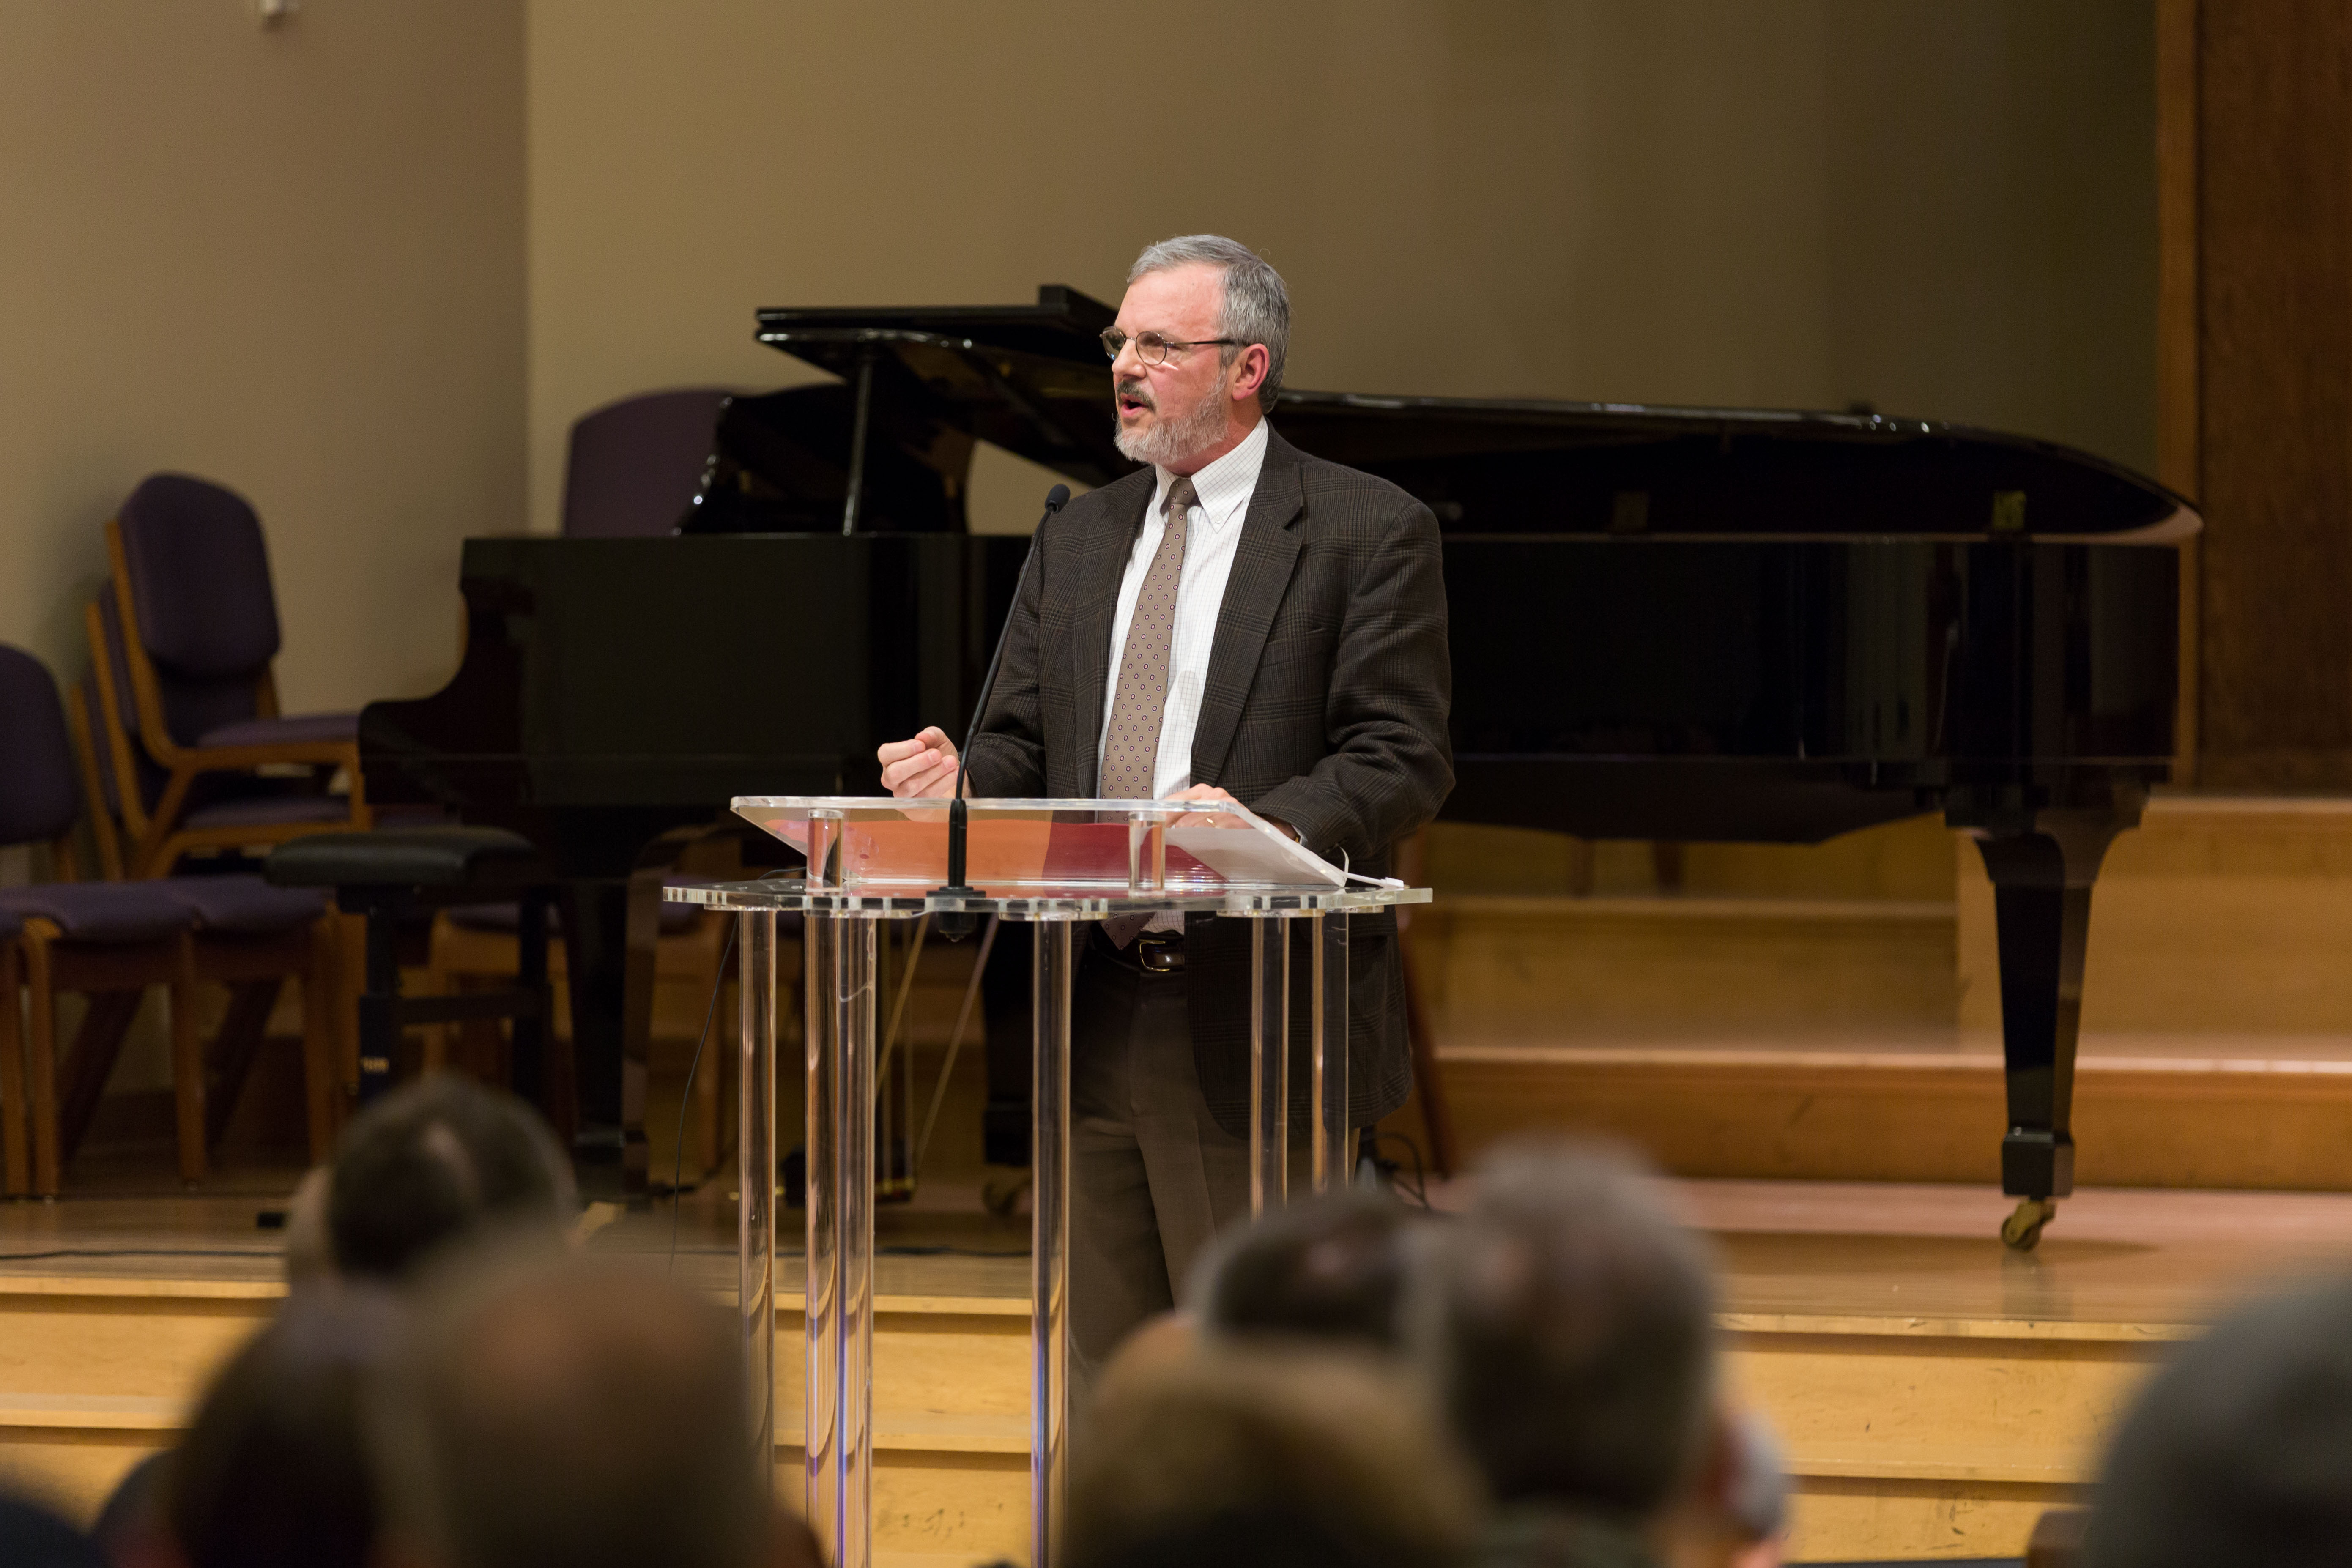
387,875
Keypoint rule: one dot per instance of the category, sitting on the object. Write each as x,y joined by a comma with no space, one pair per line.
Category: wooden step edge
913,1306
1866,1467
2165,802
91,1412
1813,1060
117,1286
1856,1325
926,1432
1679,906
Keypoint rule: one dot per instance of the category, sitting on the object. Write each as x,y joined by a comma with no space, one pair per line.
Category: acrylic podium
1057,863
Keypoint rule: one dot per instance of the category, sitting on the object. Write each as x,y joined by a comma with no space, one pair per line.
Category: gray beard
1169,442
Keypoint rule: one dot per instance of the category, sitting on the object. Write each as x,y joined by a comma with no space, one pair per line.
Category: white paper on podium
1268,854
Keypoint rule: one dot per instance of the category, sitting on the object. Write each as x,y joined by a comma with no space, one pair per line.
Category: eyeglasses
1154,349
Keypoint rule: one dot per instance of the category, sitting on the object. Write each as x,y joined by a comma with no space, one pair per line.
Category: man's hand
925,765
1217,818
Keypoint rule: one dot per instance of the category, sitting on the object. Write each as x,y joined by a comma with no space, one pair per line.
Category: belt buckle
1160,953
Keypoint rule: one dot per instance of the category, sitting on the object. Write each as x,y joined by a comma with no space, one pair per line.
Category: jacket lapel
1102,566
1263,559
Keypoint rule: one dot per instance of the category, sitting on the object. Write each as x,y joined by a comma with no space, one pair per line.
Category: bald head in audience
1333,1269
435,1162
1570,1329
1264,1457
2240,1451
570,1411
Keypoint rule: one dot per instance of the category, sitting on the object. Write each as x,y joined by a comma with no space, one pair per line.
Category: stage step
2149,1111
2219,915
1499,968
1910,1434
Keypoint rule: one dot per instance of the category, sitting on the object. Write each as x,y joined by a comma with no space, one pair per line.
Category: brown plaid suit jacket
1325,707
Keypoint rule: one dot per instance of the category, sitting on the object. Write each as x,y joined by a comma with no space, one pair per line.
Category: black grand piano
1668,624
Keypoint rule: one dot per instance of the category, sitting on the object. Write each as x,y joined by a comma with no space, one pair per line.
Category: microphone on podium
957,926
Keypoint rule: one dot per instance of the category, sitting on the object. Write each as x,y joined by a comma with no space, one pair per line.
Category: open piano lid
1031,379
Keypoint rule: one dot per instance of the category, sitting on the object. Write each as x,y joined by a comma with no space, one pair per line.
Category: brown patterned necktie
1132,745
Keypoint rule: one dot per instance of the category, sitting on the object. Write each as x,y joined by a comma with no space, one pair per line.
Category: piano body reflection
1668,624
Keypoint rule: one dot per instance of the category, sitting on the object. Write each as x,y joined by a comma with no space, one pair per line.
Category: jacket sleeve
1008,753
1391,762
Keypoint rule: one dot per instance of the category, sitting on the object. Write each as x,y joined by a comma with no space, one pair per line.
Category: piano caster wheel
2021,1231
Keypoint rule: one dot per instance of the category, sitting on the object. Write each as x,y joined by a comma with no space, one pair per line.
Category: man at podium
1234,621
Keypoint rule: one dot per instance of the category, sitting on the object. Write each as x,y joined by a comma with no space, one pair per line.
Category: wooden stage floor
2165,1258
1935,1393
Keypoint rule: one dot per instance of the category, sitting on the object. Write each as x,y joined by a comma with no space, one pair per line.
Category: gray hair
1256,308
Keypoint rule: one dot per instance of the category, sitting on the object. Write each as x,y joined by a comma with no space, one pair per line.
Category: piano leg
2042,864
609,930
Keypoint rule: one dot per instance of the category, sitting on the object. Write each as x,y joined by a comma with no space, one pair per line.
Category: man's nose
1127,362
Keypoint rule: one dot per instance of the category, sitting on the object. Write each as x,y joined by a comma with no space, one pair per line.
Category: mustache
1137,390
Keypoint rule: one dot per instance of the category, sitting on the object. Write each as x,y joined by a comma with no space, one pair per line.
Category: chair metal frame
157,839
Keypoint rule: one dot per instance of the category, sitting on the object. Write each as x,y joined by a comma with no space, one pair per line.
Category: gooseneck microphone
957,926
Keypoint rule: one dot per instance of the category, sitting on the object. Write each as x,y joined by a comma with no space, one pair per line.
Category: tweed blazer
1325,707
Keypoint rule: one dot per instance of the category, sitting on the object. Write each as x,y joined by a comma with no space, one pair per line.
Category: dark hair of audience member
2241,1450
1333,1269
274,1469
566,1411
131,1528
1570,1329
33,1537
1265,1457
437,1162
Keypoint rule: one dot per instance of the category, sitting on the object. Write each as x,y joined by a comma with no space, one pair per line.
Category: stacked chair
112,940
182,645
187,763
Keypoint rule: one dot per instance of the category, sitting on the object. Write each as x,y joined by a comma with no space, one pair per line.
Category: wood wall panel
2274,262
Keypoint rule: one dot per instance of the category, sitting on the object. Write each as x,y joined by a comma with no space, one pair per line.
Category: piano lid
1029,378
1033,380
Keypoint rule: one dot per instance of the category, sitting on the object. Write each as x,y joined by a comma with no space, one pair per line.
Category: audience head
275,1470
33,1537
1245,1456
438,1161
1569,1328
2241,1452
565,1411
1334,1268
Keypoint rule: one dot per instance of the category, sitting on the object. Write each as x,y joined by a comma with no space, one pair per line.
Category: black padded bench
390,874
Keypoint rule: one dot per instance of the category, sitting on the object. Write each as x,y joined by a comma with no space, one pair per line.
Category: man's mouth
1131,402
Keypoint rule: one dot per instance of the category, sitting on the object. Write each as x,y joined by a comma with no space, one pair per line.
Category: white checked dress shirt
1213,529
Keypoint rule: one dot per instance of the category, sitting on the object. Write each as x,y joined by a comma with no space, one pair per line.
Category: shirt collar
1225,486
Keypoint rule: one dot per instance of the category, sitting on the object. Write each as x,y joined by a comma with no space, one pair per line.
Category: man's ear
1249,372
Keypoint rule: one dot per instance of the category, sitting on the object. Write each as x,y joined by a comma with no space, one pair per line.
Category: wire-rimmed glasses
1154,349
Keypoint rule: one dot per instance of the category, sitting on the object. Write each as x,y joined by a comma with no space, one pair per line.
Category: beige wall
1946,210
292,260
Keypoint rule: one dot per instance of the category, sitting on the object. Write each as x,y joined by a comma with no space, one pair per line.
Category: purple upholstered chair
115,938
635,465
184,654
224,807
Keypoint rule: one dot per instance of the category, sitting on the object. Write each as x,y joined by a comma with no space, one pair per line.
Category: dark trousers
1152,1177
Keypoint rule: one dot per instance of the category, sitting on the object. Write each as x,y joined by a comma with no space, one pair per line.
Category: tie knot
1182,495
